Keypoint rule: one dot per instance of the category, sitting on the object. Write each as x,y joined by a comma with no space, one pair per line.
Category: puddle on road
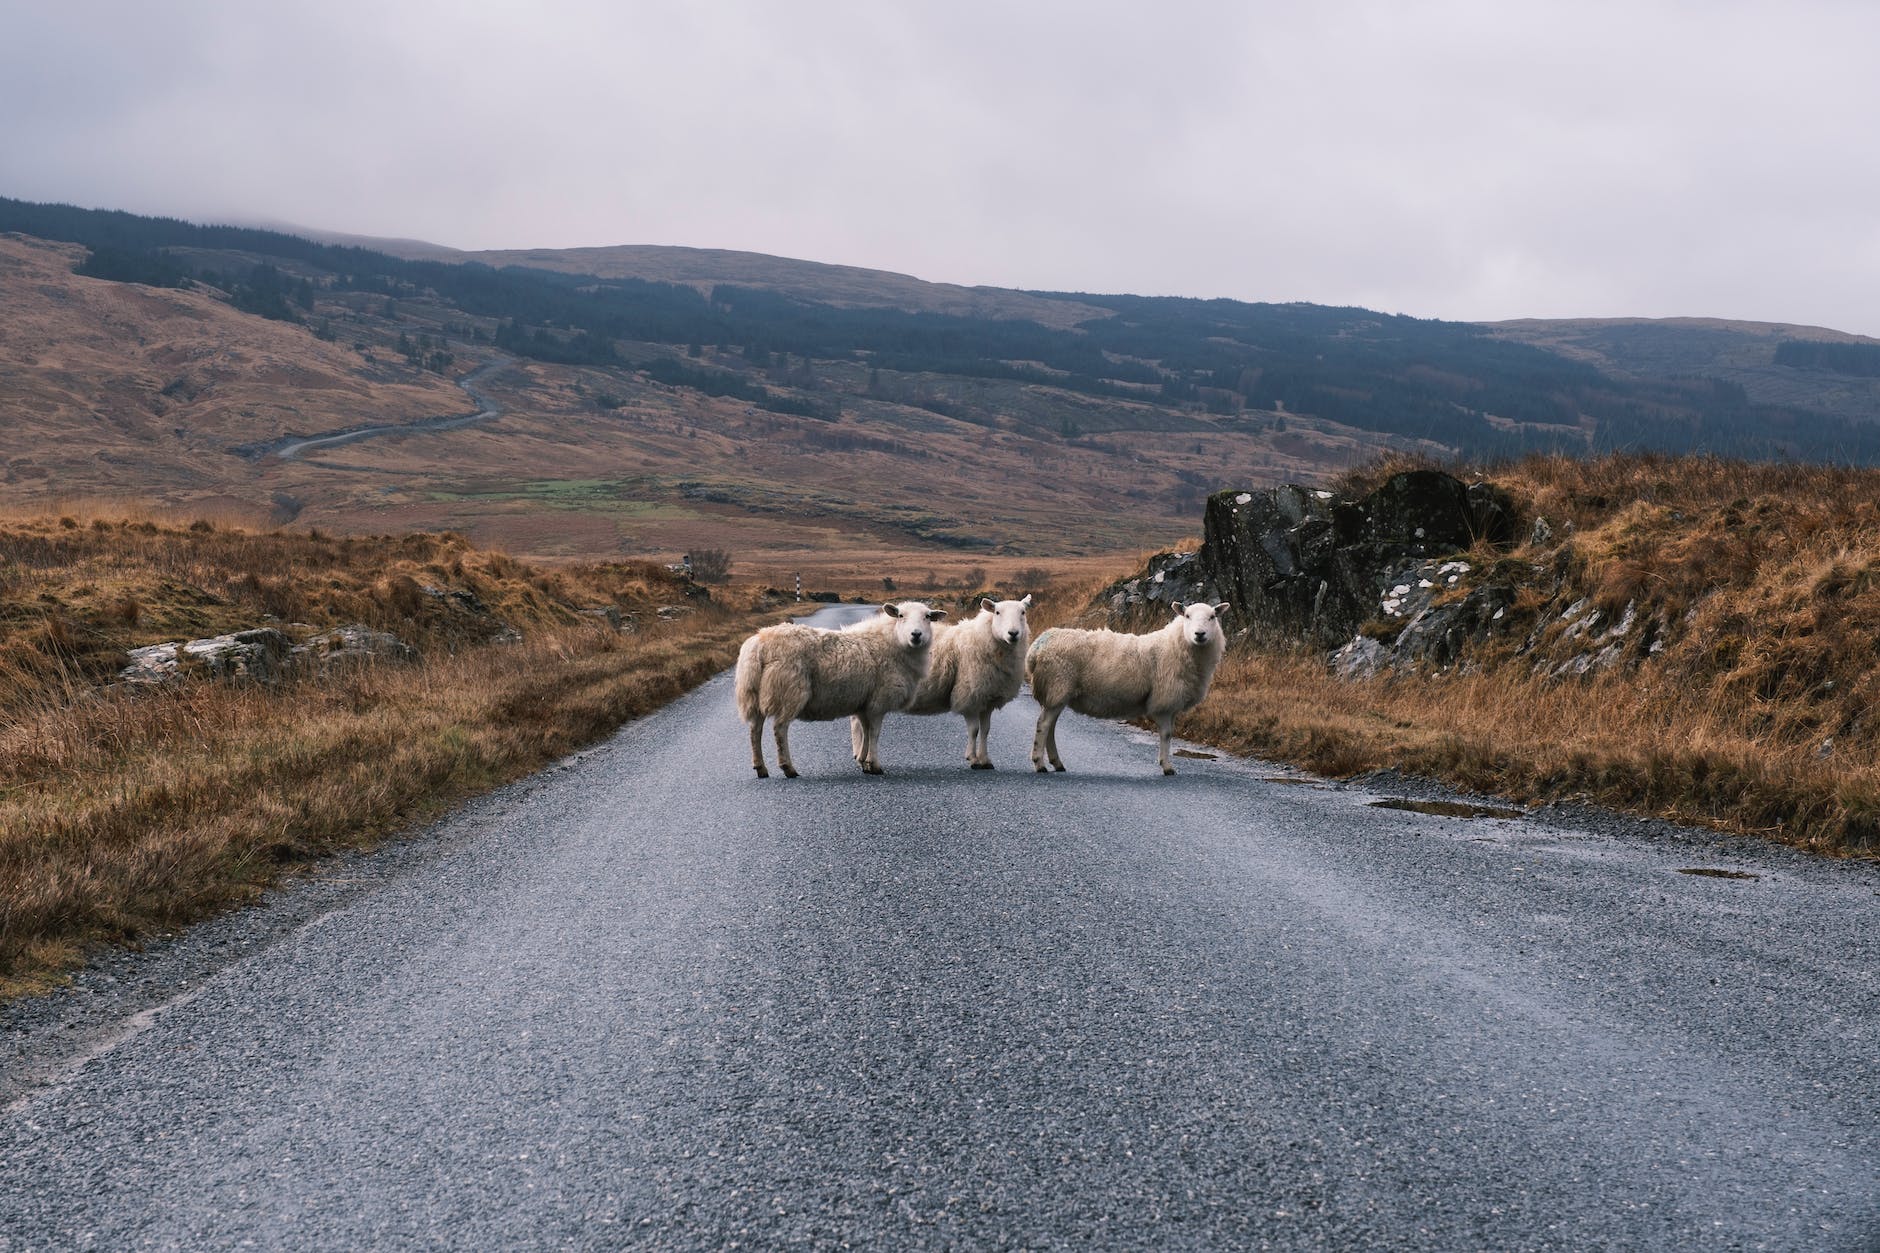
1712,872
1448,809
1189,752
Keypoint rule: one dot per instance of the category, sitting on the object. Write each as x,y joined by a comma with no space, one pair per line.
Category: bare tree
711,565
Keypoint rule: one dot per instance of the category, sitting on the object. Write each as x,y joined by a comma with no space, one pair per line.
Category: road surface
645,999
288,447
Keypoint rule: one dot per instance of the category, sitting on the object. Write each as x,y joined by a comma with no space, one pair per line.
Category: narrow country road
289,447
645,999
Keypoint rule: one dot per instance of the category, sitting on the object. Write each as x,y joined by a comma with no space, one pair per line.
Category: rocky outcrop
260,655
263,655
1302,563
1396,581
1427,616
353,644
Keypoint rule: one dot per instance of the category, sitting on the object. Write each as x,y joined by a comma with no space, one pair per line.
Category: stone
258,655
1361,658
609,614
1438,634
461,598
1300,562
354,643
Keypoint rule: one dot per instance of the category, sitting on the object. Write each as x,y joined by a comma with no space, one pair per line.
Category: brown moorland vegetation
114,389
125,811
1751,708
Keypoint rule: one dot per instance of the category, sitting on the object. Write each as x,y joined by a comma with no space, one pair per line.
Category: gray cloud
1450,158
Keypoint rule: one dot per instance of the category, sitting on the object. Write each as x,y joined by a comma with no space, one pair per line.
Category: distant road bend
289,447
644,999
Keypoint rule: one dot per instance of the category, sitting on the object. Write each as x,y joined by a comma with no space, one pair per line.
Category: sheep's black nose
1012,636
1201,637
916,637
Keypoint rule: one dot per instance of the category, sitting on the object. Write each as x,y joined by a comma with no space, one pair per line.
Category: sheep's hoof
789,773
870,768
1058,766
982,765
762,773
1168,770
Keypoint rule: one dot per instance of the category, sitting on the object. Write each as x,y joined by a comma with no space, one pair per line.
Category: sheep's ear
985,603
891,609
1027,601
1179,608
934,615
1221,607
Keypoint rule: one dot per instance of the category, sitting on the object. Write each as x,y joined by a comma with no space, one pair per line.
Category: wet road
292,446
647,999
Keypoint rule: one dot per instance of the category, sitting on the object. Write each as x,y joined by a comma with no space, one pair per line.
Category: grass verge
1741,604
1610,742
1734,613
126,814
123,811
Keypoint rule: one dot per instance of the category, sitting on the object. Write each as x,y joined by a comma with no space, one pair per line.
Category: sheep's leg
757,748
1166,725
1044,740
871,743
981,751
783,748
857,738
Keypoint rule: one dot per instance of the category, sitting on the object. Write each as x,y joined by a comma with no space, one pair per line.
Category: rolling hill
651,400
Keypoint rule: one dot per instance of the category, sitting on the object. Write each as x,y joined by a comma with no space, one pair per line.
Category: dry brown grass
1759,583
123,812
1641,747
77,591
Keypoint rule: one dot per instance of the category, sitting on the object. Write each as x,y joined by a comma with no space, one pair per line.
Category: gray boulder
608,614
1299,562
259,655
1361,658
354,643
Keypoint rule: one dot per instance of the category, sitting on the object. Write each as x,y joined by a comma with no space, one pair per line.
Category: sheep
1109,675
978,666
863,671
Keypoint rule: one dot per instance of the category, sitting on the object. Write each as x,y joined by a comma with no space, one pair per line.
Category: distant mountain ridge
706,268
1743,354
685,388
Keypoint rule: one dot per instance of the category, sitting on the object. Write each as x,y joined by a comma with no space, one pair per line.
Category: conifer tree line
1422,379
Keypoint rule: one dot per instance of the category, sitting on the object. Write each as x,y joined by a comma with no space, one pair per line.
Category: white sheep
1106,674
862,671
978,666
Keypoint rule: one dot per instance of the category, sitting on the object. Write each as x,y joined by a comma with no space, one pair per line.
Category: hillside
1774,363
793,413
844,286
117,387
1686,637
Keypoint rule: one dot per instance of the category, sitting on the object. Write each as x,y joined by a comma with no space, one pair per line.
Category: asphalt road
645,999
290,447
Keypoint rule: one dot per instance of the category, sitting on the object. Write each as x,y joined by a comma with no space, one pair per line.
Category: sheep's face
913,623
1200,623
1008,620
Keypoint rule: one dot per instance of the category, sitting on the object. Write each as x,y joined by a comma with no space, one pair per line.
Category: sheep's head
1200,622
913,623
1008,619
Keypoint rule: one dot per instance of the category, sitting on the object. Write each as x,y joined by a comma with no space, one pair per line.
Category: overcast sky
1446,159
